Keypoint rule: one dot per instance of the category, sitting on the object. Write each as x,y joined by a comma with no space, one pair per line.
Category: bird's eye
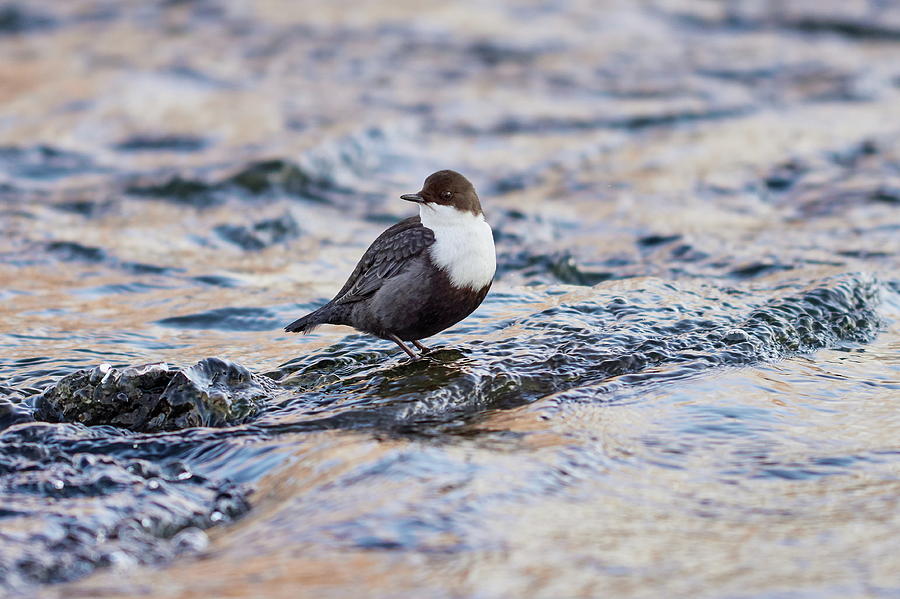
446,195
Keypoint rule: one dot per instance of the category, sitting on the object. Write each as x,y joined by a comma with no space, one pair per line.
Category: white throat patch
463,245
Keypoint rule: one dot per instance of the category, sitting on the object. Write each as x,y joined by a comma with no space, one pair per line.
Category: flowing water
681,384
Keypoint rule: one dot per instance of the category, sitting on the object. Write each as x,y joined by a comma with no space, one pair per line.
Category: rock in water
216,392
156,397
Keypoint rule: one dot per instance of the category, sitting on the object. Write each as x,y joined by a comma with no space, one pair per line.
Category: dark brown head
447,188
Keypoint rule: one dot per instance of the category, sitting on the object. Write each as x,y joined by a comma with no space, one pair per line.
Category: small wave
226,319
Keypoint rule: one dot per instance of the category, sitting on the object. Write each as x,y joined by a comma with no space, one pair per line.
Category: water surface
681,384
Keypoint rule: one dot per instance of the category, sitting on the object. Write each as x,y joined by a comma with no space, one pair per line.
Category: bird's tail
310,321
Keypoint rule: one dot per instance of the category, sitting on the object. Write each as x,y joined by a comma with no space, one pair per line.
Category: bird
421,275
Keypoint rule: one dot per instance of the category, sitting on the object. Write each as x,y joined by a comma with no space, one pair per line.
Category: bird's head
445,190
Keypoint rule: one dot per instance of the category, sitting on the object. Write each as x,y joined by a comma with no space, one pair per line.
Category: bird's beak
413,197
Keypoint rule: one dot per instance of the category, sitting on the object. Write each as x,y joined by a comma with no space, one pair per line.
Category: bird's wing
385,258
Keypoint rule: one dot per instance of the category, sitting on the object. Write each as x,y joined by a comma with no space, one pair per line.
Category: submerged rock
590,343
156,397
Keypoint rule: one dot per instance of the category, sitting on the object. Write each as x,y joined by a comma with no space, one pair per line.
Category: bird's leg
403,346
422,348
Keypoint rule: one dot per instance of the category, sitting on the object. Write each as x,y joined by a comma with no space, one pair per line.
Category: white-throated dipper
422,275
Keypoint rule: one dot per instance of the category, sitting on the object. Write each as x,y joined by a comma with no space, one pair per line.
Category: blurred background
682,383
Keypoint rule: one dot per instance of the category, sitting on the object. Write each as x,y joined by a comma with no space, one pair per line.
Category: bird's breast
465,251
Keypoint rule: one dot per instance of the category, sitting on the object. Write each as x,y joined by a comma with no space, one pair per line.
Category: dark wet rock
227,319
43,162
156,397
162,143
144,508
261,234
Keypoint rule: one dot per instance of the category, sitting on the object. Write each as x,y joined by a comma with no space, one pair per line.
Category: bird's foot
422,347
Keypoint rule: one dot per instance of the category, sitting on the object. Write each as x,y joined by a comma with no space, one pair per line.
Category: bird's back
385,257
393,251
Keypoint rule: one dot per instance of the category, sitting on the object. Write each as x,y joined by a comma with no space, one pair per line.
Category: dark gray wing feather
385,258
